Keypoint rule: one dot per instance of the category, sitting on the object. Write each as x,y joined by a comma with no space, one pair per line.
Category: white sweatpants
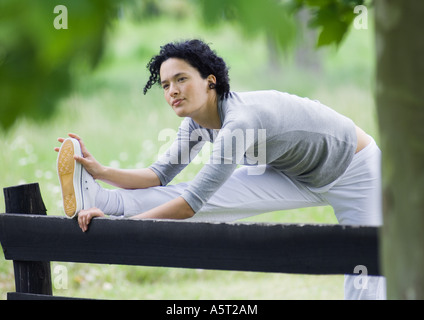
355,198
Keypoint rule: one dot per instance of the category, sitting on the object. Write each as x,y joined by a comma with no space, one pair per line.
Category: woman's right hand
85,217
88,161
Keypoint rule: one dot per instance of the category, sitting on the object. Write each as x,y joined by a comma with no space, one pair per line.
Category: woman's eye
165,86
181,79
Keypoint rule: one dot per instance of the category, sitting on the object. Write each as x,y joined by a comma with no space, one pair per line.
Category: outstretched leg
241,196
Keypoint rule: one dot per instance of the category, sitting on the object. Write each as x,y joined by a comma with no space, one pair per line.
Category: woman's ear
211,81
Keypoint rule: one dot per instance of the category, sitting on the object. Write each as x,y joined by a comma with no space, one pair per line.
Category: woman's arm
122,178
128,178
177,208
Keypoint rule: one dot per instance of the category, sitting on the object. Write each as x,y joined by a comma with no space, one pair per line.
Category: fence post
30,276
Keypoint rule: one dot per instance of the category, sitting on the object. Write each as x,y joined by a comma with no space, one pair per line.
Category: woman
299,153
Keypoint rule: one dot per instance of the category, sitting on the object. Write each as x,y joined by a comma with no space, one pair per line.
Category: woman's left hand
85,216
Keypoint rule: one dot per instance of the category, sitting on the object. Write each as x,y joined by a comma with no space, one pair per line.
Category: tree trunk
400,104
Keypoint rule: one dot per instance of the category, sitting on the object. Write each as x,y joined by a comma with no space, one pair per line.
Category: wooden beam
31,276
33,296
286,248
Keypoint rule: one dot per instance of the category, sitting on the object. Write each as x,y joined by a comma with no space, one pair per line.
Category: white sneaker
89,189
78,187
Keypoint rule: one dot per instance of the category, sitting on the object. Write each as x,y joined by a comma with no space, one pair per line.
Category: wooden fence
32,239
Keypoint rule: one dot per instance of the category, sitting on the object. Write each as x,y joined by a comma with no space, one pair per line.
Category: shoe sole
69,172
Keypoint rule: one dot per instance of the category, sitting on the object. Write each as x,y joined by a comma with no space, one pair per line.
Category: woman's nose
173,90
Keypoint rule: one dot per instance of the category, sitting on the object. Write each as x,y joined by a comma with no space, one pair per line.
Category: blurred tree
36,59
142,10
400,103
307,57
269,17
332,17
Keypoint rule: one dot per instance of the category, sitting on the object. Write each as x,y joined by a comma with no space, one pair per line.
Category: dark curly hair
199,55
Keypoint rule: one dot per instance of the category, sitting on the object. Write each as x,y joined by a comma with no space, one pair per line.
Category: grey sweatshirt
304,139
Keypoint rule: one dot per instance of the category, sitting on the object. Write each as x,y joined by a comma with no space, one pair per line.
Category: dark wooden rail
285,248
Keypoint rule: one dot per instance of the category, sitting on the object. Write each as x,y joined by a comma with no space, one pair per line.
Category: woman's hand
88,161
85,216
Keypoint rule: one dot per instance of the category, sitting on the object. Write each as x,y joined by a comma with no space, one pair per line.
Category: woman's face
185,90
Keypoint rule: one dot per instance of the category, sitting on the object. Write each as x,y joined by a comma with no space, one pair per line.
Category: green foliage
332,17
266,16
36,59
38,62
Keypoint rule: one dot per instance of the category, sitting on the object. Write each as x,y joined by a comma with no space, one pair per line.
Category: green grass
120,126
127,282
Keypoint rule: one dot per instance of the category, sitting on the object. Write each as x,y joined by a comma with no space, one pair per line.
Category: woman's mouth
177,102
